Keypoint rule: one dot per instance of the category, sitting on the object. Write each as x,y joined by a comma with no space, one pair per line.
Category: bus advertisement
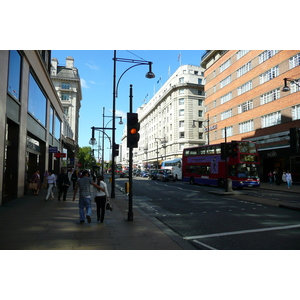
175,165
204,165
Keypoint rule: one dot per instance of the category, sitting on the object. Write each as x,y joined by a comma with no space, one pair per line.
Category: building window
246,126
181,80
245,106
241,53
226,98
225,65
226,114
181,123
245,88
229,132
36,101
181,92
225,81
65,97
200,113
181,113
51,120
266,55
65,85
200,92
200,135
244,69
295,61
270,74
181,101
14,76
57,127
181,135
200,102
296,112
199,80
270,96
271,119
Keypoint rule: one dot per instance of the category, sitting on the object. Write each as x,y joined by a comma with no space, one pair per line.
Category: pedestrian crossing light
133,127
233,149
116,150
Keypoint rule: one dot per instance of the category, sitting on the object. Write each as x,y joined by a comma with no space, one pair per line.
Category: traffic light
133,127
232,149
294,140
116,150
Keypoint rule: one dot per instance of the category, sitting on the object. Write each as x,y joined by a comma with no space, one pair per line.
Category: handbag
109,206
33,186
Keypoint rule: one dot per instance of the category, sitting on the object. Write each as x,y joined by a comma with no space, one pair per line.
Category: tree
86,158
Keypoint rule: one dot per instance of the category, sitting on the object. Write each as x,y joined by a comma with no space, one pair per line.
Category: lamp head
150,74
121,122
285,88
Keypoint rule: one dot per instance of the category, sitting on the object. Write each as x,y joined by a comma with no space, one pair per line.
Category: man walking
85,200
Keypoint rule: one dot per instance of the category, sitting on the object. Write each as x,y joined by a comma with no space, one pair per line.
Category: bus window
202,151
247,147
210,150
218,149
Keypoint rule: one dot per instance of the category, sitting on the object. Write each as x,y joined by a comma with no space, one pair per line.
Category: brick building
245,101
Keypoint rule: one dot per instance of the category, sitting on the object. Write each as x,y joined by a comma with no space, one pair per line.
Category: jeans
85,202
50,191
100,201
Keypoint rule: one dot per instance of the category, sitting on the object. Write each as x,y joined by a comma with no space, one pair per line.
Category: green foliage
86,158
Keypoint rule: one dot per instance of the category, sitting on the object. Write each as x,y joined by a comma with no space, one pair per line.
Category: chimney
70,62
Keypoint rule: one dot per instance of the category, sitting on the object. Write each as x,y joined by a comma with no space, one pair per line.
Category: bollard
229,185
110,179
127,187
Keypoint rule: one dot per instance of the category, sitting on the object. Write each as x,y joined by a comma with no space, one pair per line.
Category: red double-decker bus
204,165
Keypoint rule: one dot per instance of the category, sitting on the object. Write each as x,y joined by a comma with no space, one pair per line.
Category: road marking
240,232
204,245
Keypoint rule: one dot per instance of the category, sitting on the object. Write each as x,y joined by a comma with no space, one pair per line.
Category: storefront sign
53,149
60,155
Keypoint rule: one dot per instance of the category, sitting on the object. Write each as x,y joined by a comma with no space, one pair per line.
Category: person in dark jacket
63,184
74,179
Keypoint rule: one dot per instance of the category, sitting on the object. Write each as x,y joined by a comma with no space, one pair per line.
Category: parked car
124,174
165,175
137,173
144,174
153,174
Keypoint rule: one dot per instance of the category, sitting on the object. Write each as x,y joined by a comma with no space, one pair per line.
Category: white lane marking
204,245
240,232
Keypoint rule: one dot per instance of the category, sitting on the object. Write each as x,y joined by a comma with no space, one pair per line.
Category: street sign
60,155
53,149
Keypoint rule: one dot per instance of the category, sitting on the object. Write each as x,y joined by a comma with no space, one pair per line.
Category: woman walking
35,178
289,181
100,198
51,184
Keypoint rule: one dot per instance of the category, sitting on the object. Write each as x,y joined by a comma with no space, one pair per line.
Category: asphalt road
225,222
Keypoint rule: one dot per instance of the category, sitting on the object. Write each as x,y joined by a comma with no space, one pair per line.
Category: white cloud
93,67
83,83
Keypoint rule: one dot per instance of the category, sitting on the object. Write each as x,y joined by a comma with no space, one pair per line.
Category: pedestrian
83,184
100,198
288,179
35,178
51,184
74,179
63,184
270,175
284,177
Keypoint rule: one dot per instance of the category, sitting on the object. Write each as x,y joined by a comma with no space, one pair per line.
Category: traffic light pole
130,211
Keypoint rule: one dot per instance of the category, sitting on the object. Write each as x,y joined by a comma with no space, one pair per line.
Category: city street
210,220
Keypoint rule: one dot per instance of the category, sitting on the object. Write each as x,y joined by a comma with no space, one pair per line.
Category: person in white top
51,183
288,179
100,198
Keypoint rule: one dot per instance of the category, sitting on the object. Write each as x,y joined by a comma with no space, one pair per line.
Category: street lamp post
150,74
207,121
295,81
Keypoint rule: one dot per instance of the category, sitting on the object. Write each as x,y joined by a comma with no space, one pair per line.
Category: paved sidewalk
31,223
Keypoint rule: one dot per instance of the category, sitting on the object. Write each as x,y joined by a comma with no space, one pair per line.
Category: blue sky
96,72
